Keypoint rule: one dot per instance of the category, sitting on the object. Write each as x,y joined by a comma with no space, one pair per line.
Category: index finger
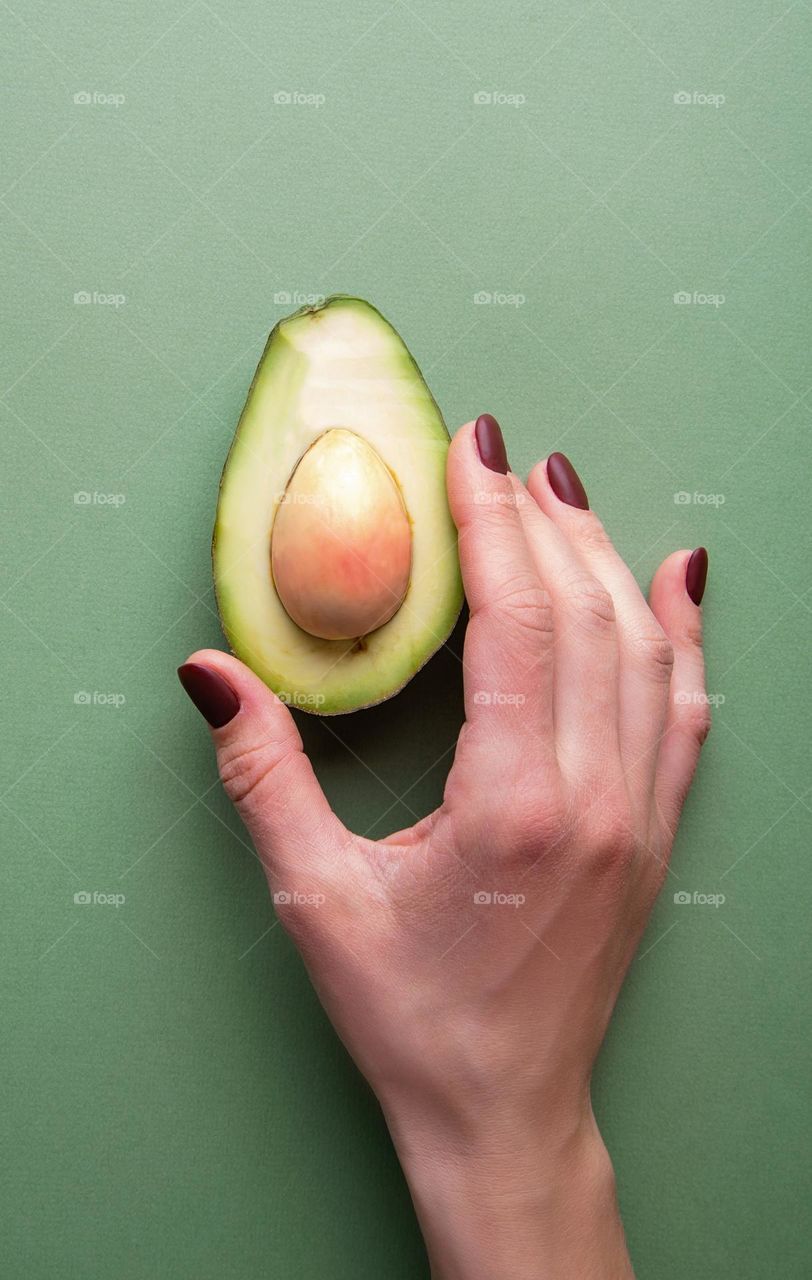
508,645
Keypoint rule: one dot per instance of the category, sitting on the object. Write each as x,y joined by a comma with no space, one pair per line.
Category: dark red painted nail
565,482
212,695
696,574
490,444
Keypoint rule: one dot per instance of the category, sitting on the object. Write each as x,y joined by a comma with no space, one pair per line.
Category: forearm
526,1209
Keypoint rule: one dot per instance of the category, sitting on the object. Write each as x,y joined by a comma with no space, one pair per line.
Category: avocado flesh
340,365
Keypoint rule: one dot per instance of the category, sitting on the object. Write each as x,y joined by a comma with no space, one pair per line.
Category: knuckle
517,834
495,518
653,649
591,533
526,604
590,603
248,770
484,515
697,721
522,836
611,842
692,633
530,821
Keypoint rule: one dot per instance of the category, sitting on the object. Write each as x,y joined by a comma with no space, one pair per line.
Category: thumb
262,763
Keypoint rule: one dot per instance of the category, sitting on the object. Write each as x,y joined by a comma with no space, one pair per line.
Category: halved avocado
332,516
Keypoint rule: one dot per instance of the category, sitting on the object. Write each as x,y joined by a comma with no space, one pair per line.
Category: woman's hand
471,963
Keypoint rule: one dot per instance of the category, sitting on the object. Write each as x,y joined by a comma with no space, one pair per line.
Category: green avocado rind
284,412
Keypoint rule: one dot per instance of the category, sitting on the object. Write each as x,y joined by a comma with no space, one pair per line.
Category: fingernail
212,695
565,482
696,574
490,444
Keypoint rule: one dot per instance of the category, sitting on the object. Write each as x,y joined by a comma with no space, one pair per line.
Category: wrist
497,1202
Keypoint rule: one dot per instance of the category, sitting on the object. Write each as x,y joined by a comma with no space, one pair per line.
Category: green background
175,1103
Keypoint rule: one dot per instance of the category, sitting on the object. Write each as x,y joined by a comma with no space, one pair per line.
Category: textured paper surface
175,1104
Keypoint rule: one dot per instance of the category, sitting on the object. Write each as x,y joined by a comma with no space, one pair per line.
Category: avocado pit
341,542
